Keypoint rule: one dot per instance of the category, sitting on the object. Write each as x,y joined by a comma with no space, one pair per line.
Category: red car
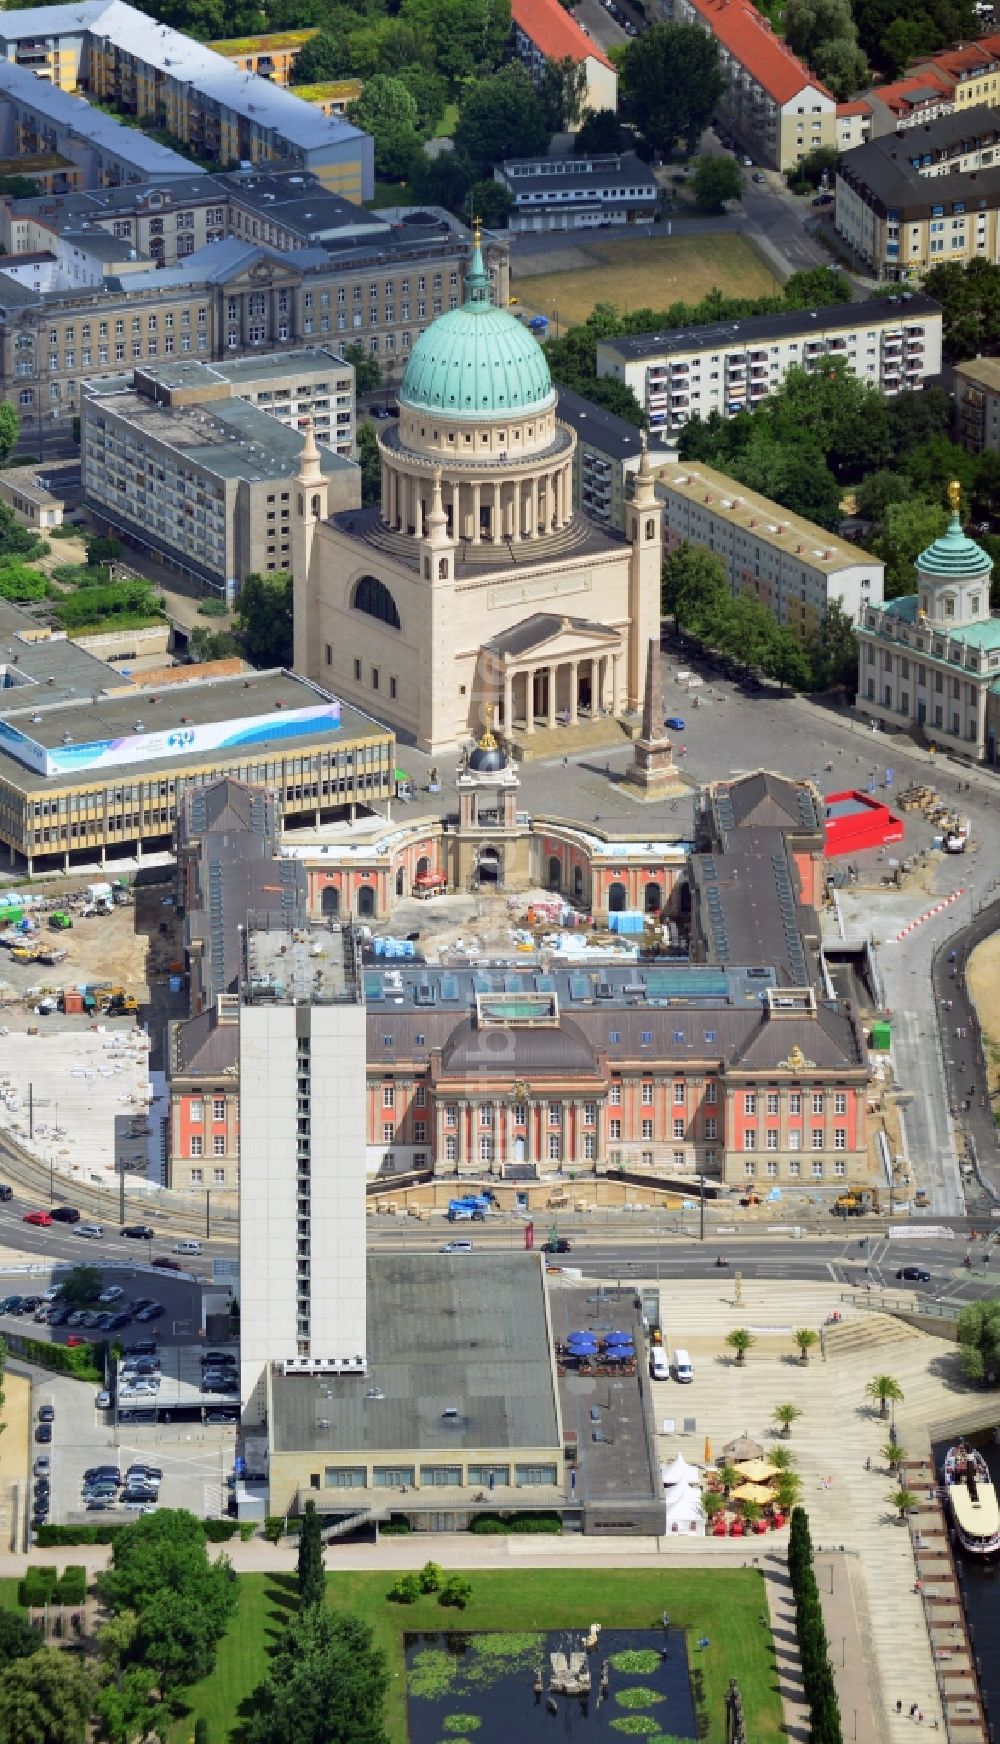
42,1218
74,1339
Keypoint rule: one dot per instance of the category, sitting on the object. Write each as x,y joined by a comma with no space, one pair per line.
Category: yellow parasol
708,1451
756,1471
753,1493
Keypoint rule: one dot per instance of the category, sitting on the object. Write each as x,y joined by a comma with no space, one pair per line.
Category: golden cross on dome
488,741
955,495
477,231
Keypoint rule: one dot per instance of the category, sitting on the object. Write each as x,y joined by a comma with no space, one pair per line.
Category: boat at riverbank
972,1500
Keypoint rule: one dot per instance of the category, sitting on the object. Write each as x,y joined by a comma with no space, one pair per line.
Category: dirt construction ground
99,947
982,976
638,274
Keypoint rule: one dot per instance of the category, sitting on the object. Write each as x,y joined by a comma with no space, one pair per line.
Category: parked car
66,1214
113,1293
42,1466
43,1433
142,1346
6,1193
823,200
103,1400
11,1305
46,1413
758,176
42,1218
59,1316
675,723
117,1321
154,1312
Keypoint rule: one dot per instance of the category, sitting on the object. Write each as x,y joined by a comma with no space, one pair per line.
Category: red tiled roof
860,107
897,96
967,58
555,32
750,39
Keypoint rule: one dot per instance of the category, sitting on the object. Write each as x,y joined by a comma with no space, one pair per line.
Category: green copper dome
477,361
953,557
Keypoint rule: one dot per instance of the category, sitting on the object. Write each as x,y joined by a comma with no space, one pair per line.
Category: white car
103,1400
186,1247
457,1247
113,1293
92,1231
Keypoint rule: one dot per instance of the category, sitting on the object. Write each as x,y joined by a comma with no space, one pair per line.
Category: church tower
645,563
311,494
953,576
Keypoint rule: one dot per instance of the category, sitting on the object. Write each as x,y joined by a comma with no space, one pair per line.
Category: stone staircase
351,1523
867,1333
603,734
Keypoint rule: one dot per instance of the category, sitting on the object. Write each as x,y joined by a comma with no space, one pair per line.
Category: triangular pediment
543,636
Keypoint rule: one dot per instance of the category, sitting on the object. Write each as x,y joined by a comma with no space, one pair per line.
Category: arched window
372,596
331,900
616,898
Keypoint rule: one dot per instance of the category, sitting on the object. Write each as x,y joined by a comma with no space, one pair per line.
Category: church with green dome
474,589
930,661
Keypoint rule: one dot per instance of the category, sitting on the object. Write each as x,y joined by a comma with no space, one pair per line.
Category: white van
659,1366
683,1366
186,1247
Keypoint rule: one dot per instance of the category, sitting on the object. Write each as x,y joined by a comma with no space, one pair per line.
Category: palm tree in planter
884,1388
785,1415
752,1512
787,1490
729,1478
904,1500
805,1338
782,1458
713,1503
740,1340
893,1454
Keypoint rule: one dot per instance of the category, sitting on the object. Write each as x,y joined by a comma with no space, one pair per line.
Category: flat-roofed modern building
793,567
92,766
215,108
731,366
607,455
176,461
977,392
578,193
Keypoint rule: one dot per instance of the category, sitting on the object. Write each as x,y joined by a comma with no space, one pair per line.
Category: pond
484,1688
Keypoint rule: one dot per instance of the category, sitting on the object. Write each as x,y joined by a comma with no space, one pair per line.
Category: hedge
85,1362
814,1651
44,1586
48,1536
493,1524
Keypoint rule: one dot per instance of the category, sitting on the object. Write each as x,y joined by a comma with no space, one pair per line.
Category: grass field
724,1606
638,274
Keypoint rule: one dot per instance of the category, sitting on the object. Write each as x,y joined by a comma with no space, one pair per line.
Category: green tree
20,187
907,529
916,416
970,302
205,645
10,430
822,160
562,90
81,1286
367,375
903,1500
784,658
932,465
979,1341
600,132
886,1390
817,287
713,1503
431,1577
501,117
455,1592
468,35
387,45
387,111
785,1416
265,618
127,1706
325,1684
429,92
492,202
694,588
181,1602
787,1487
45,1699
18,1639
740,1340
715,178
311,1572
875,493
670,84
832,651
370,464
102,551
445,180
321,59
840,62
893,1454
805,1338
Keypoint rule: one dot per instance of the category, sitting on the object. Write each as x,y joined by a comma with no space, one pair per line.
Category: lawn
639,274
725,1606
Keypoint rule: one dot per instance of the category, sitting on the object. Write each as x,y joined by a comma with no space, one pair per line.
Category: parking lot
195,1459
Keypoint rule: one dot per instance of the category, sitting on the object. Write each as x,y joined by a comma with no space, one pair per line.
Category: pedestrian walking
899,1707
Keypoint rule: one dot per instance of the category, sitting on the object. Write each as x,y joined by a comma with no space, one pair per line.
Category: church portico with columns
474,584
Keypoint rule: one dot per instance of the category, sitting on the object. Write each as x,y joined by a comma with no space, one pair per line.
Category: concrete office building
302,1157
578,193
230,298
94,765
907,202
200,98
192,471
728,367
977,393
773,104
929,662
792,566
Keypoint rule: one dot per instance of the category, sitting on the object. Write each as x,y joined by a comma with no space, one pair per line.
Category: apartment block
544,31
578,193
302,1046
177,462
607,454
908,201
39,118
271,56
977,395
226,300
772,103
793,567
729,367
213,107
